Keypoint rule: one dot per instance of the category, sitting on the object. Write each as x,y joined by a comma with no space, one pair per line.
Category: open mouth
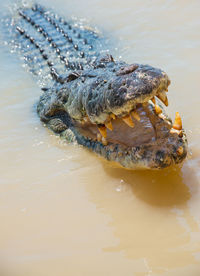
141,124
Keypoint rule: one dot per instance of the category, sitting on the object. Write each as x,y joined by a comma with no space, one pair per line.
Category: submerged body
105,105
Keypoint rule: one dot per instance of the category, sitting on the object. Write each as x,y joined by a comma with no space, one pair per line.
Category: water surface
65,211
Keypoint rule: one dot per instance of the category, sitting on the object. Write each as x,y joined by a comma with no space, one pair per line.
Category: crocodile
111,107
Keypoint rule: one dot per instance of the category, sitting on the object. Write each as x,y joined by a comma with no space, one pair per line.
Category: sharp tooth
180,150
153,100
112,116
135,115
179,132
102,130
86,119
166,102
163,97
99,137
177,123
104,141
158,110
128,120
162,116
109,125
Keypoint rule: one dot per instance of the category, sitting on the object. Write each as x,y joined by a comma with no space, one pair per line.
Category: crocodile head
116,111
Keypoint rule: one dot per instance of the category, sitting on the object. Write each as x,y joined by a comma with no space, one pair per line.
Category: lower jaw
135,158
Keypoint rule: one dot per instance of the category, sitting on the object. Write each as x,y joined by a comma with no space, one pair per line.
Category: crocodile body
88,96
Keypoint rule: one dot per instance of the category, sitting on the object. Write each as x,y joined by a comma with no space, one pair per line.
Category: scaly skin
91,91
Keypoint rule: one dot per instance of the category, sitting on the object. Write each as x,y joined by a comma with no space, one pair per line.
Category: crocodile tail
51,46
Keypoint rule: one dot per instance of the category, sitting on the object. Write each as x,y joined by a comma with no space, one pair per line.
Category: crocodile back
52,47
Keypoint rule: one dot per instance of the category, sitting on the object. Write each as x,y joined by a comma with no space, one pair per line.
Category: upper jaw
118,91
136,88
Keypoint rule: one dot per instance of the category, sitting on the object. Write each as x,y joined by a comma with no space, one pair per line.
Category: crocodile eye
127,69
73,76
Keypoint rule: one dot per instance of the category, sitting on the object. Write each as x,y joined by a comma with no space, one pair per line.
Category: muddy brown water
65,211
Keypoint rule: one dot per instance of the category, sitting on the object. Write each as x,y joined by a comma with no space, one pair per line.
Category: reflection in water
157,188
151,219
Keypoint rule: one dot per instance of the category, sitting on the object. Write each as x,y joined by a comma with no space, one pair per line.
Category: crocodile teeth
180,150
112,116
99,137
128,120
163,97
109,125
103,131
135,115
153,100
177,123
104,141
162,116
86,119
179,132
158,110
